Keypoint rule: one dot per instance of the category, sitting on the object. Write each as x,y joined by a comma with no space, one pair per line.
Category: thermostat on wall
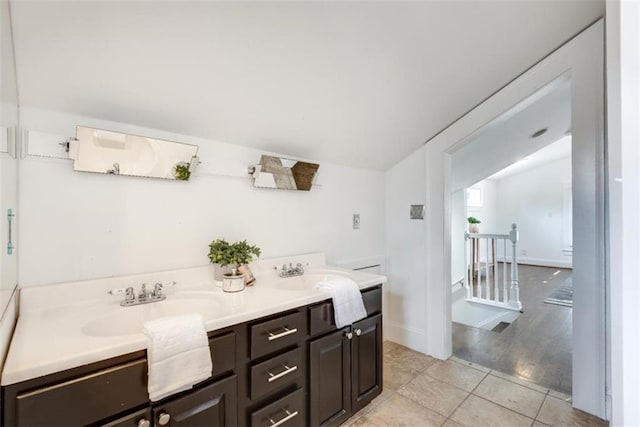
417,212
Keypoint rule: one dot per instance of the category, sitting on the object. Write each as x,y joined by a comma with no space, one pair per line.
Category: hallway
537,345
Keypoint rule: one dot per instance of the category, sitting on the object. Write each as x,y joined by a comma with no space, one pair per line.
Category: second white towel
178,354
348,306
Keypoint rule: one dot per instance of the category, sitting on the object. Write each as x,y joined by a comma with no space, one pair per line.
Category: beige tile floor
422,391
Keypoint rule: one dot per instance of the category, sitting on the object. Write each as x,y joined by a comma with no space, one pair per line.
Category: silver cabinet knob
349,335
144,423
358,332
164,419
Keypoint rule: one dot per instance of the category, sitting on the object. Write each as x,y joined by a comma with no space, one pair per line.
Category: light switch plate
356,221
416,212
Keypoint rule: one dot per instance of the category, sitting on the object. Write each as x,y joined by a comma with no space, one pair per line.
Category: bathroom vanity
278,359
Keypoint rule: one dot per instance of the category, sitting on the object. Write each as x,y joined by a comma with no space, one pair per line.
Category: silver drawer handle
286,332
287,371
285,419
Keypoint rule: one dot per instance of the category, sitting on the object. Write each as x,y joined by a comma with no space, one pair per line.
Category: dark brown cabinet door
212,405
366,361
330,379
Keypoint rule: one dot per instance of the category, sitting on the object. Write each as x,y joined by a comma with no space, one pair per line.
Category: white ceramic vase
219,272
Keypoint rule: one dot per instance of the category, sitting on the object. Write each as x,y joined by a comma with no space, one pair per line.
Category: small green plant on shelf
181,171
473,220
225,254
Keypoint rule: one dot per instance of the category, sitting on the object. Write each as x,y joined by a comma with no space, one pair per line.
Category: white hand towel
178,354
348,306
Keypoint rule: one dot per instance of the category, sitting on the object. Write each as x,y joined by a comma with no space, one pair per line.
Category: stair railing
483,281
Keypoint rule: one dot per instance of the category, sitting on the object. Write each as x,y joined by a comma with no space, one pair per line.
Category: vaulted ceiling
362,84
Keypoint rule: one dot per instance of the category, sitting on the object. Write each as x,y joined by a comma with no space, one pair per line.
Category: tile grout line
533,420
499,374
447,383
426,407
465,399
487,372
456,408
504,407
541,405
491,372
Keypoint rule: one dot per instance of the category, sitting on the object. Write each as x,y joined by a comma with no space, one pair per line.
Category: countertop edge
15,374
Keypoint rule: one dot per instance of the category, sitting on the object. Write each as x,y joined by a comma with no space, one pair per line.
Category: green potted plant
473,224
231,261
182,171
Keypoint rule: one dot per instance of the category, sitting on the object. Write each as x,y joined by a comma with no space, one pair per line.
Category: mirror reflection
285,174
115,153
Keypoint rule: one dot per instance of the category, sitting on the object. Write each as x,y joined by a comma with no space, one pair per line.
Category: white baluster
504,271
514,291
487,284
467,264
494,255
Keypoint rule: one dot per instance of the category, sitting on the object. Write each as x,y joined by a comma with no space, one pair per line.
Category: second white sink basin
130,320
309,280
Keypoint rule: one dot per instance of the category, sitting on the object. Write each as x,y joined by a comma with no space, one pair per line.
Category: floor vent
500,327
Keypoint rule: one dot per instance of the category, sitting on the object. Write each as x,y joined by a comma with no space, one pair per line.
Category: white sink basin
309,280
130,320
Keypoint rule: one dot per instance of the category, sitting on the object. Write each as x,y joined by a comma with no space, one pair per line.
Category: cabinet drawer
223,353
87,399
276,373
272,335
321,317
372,300
286,412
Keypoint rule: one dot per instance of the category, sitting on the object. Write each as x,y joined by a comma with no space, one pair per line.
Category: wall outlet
356,221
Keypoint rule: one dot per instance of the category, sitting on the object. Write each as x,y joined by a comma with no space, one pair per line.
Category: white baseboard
541,262
407,336
546,262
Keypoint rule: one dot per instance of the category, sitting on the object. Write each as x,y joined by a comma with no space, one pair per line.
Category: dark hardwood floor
537,345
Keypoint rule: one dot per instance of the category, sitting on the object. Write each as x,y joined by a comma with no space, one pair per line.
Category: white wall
487,213
77,225
534,200
405,292
623,109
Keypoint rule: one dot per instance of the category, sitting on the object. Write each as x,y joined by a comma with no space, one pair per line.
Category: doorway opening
511,242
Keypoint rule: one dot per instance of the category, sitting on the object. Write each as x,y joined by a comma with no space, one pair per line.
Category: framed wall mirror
284,174
116,153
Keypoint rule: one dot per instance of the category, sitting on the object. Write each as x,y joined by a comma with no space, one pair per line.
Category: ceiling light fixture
539,132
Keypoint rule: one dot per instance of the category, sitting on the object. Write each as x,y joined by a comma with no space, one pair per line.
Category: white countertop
56,328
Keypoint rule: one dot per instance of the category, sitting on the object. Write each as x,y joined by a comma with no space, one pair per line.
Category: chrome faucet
144,296
291,271
115,170
157,289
